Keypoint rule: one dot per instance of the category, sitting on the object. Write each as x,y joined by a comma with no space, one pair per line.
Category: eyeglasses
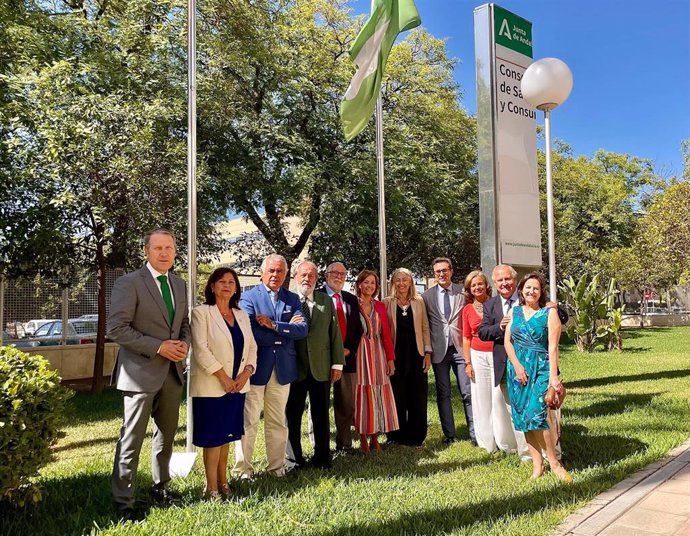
441,272
336,274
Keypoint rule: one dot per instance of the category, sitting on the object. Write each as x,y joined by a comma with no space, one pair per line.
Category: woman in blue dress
531,343
223,359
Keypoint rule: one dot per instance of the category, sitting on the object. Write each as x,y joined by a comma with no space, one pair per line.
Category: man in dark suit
347,313
149,320
444,303
497,315
319,363
277,321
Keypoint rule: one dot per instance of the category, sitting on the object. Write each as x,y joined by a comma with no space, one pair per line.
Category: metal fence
25,304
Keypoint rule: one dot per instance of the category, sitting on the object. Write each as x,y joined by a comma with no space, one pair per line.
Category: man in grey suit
444,304
149,320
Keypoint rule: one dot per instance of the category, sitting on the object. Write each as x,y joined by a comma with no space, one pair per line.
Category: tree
597,202
270,135
98,135
665,234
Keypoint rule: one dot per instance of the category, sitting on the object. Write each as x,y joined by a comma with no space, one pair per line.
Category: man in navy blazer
347,312
277,321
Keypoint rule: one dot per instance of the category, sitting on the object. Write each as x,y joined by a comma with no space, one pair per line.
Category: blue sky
630,61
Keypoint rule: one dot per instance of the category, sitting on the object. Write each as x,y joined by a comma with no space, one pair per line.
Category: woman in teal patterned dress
531,343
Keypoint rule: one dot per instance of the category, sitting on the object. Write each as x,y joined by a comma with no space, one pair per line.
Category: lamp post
546,85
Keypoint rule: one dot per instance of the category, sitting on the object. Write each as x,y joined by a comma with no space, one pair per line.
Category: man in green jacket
320,360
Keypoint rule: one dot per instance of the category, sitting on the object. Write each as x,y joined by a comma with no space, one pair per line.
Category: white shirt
441,307
441,299
332,293
155,275
504,302
310,303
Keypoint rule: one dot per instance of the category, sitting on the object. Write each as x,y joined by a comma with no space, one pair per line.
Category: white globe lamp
546,85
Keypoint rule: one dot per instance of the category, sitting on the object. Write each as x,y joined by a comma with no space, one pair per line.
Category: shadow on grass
61,446
106,406
446,520
76,505
85,407
610,380
611,405
641,333
582,449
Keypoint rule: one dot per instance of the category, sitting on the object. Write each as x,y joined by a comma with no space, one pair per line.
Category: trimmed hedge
32,404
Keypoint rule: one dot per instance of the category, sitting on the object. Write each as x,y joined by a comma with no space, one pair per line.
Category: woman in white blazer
223,359
410,331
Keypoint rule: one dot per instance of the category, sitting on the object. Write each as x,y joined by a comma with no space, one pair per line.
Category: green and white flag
370,53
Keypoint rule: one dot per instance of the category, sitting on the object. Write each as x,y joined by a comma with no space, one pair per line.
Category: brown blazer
421,322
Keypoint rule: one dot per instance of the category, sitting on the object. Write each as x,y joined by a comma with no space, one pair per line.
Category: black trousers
319,400
410,390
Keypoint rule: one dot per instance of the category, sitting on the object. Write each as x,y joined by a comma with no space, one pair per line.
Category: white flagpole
191,185
181,463
382,194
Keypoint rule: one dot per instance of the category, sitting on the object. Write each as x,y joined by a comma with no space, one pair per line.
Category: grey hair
328,268
296,267
273,257
500,266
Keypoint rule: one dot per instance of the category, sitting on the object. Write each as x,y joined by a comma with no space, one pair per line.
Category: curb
608,506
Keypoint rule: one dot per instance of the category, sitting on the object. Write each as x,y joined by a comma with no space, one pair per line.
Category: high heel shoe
363,445
224,489
213,495
563,475
374,444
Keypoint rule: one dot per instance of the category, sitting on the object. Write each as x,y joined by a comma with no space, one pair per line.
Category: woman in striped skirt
374,403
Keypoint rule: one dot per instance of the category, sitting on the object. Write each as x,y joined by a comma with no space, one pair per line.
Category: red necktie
341,316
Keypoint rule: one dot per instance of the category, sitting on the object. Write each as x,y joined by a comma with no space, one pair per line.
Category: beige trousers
272,397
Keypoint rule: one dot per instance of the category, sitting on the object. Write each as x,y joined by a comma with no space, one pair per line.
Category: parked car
32,325
88,317
78,332
7,340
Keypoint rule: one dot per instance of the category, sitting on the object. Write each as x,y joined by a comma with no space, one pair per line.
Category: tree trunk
97,380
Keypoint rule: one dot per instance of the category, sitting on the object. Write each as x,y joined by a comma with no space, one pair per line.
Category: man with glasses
443,306
347,312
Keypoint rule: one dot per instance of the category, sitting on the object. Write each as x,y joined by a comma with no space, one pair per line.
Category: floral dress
530,339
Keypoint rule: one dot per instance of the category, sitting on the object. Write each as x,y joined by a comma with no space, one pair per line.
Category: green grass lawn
623,411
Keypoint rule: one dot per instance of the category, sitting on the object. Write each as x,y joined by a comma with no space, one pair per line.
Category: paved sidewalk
653,501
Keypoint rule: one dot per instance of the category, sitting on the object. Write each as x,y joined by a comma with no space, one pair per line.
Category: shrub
596,319
32,404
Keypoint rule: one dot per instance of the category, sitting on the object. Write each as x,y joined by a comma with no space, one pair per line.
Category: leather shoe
125,513
325,465
448,440
163,496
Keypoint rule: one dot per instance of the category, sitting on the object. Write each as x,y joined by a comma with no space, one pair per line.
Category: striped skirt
374,403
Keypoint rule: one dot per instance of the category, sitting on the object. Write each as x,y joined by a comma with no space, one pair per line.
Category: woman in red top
492,423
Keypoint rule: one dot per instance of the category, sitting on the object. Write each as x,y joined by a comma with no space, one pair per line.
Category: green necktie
167,297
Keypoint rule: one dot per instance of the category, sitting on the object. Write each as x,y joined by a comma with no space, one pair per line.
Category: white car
32,325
